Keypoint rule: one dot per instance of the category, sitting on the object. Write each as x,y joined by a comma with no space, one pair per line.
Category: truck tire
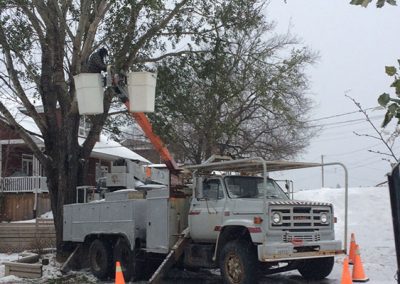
317,268
100,259
124,254
238,263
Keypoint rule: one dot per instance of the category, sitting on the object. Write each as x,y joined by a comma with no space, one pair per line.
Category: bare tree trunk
62,172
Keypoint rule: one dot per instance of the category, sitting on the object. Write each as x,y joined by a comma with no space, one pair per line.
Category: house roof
105,148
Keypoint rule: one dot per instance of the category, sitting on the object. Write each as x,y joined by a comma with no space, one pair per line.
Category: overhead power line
354,151
350,121
341,114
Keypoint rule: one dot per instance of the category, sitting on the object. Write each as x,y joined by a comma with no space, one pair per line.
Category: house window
27,164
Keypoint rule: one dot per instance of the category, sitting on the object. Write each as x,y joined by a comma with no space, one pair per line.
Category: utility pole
322,171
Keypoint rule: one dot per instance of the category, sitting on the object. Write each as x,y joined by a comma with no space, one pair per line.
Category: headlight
276,218
324,218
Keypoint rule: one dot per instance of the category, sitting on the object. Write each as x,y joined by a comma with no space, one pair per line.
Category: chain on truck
233,216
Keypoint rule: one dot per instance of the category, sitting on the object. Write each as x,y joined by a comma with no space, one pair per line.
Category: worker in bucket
96,62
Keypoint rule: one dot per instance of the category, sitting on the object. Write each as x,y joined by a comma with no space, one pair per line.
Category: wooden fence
19,206
17,237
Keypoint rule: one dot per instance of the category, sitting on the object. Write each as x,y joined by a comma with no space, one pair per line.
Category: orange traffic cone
346,277
119,276
352,253
358,269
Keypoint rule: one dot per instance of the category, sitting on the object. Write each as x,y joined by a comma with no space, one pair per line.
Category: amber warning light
257,220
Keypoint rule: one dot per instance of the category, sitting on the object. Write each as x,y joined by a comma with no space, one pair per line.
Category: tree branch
36,24
62,12
150,33
171,54
43,12
367,135
77,41
102,8
44,160
131,29
380,153
18,87
373,126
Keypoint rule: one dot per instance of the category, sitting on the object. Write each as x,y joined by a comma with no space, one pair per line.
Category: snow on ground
369,219
371,222
47,215
50,272
6,257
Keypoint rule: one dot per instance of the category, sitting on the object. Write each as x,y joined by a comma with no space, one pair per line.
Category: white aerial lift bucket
90,93
142,90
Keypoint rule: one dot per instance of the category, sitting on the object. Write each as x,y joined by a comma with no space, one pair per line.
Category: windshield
252,187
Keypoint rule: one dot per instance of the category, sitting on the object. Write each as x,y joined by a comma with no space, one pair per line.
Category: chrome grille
301,217
287,238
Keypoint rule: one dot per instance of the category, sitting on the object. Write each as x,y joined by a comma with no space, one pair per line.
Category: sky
354,46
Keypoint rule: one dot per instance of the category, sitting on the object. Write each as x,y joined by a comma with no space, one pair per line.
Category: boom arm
118,82
145,124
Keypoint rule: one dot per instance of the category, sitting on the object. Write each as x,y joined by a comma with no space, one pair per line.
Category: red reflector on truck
254,230
194,212
297,242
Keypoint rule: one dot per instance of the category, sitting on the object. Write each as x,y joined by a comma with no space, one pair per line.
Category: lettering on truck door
205,215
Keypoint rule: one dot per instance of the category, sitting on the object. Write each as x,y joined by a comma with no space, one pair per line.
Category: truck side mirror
198,187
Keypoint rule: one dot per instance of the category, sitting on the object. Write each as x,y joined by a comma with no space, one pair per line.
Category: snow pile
11,279
4,257
47,215
50,272
371,222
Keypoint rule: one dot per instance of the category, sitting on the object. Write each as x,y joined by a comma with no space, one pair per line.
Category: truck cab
250,219
218,199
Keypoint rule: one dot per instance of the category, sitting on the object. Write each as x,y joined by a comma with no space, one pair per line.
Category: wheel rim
234,268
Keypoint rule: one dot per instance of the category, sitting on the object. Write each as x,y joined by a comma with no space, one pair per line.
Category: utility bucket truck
232,216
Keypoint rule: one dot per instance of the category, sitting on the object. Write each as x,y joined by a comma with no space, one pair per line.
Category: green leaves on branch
379,3
384,99
390,70
393,109
241,99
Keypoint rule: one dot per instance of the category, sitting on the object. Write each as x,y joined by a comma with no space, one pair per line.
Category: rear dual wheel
124,254
100,259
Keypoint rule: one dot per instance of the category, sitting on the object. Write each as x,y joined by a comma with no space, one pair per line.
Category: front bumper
271,252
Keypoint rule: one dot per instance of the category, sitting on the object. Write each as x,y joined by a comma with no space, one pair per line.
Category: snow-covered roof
105,148
113,150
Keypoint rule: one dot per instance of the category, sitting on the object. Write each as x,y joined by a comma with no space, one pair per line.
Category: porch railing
23,184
